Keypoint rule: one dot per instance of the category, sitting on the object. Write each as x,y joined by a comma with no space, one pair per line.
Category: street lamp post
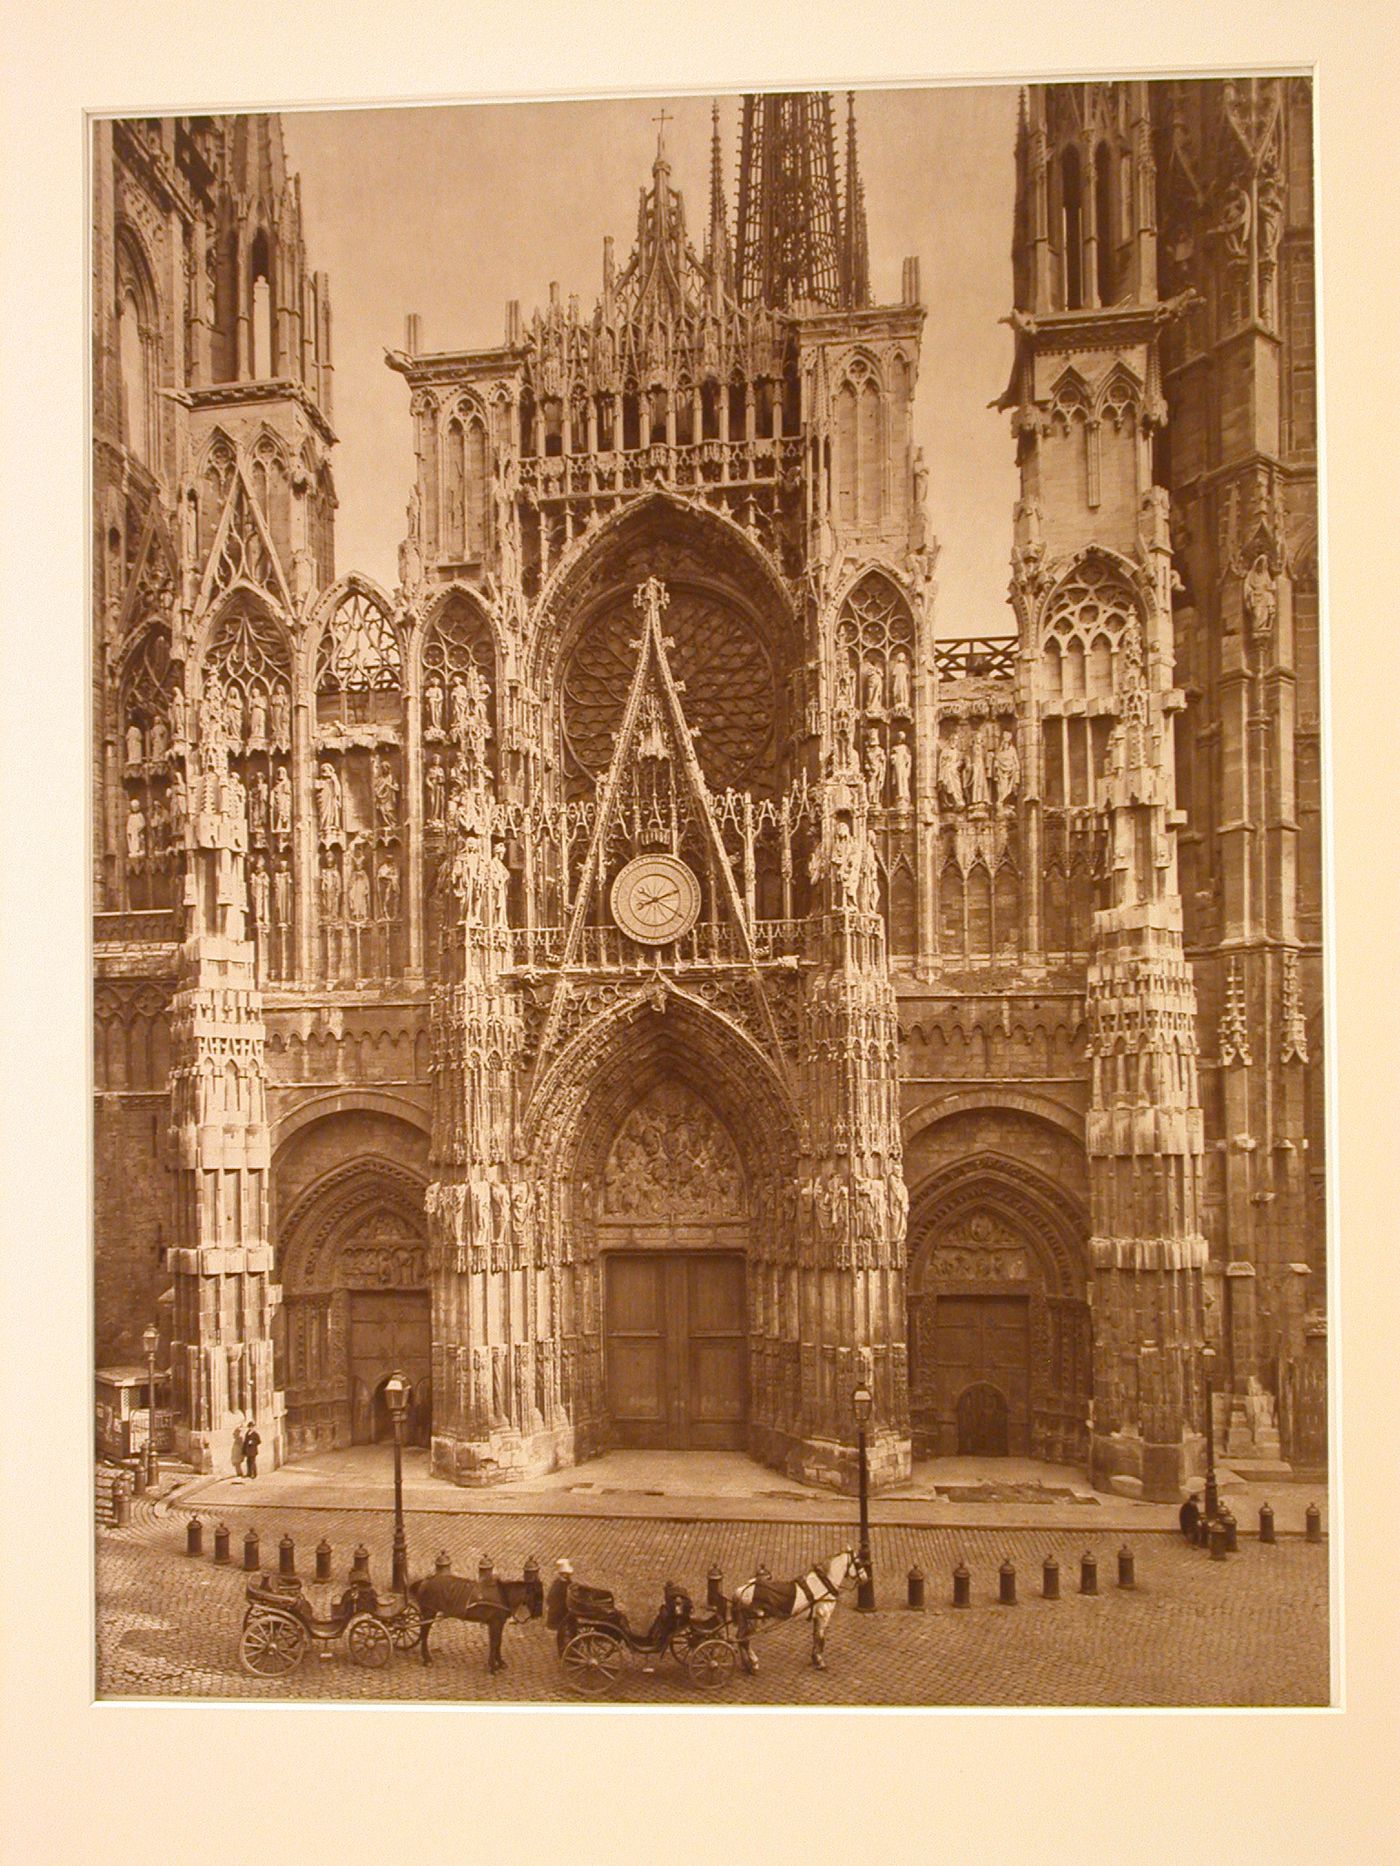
396,1399
863,1404
150,1341
1212,1493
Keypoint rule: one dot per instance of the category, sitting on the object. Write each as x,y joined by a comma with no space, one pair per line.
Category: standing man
556,1605
237,1449
252,1438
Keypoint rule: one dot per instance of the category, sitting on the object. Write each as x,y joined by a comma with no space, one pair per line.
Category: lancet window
138,352
357,791
1080,665
874,690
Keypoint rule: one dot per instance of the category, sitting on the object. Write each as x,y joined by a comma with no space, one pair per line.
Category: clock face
656,900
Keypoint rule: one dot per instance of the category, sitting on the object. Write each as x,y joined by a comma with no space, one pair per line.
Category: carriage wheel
712,1664
272,1644
368,1640
679,1645
405,1627
592,1662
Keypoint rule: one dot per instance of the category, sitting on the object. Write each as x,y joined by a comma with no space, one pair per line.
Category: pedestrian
251,1440
1189,1516
237,1448
556,1605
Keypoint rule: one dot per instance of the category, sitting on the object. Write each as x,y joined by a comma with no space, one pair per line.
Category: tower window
1103,223
1072,229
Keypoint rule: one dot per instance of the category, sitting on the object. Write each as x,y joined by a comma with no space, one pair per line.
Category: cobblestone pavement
1248,1631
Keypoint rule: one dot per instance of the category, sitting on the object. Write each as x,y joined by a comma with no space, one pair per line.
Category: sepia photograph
707,955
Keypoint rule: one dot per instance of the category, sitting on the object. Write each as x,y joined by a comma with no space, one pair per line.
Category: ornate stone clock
656,900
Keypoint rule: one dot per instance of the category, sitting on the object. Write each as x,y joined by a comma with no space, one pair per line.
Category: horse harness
815,1600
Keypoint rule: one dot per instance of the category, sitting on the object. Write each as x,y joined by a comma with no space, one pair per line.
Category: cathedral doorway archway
672,1233
999,1336
356,1307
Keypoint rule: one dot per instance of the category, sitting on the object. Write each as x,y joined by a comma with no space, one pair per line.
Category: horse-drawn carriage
280,1626
595,1637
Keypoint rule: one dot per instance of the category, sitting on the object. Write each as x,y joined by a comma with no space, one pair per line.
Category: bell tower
1092,585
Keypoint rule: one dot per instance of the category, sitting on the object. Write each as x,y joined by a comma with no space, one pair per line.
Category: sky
451,210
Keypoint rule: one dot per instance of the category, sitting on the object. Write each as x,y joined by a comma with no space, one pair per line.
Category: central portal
672,1230
674,1350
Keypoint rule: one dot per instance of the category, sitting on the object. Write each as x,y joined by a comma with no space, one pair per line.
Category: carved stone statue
437,790
387,878
845,684
177,716
236,809
1007,771
282,893
461,708
257,716
281,716
329,803
950,782
257,806
902,772
978,789
233,716
868,880
159,741
135,748
262,893
918,518
876,761
901,684
357,893
874,691
497,884
179,803
1260,600
330,890
135,829
386,793
432,699
211,710
282,803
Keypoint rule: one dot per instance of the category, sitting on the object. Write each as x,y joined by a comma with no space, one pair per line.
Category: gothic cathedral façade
646,974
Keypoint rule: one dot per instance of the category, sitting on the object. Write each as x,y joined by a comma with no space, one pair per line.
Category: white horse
816,1593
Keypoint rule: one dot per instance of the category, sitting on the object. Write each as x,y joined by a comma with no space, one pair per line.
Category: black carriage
597,1639
280,1627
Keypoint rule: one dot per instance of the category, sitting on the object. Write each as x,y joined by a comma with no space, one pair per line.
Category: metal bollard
194,1537
962,1586
323,1560
443,1564
916,1588
714,1588
1088,1574
121,1504
221,1543
1312,1523
1217,1540
359,1564
286,1556
1232,1532
1266,1523
250,1551
484,1569
1050,1579
1007,1594
1127,1574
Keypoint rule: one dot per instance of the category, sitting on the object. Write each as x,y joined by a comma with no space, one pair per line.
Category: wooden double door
674,1349
391,1331
982,1357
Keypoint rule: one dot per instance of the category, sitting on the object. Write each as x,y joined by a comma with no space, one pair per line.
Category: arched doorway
999,1335
356,1307
672,1234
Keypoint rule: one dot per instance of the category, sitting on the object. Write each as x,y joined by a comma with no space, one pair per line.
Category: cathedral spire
789,228
855,240
719,260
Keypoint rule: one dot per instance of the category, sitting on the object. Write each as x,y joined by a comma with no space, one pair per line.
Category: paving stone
1249,1631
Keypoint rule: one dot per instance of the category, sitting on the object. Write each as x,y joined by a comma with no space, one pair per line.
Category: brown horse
489,1603
815,1592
